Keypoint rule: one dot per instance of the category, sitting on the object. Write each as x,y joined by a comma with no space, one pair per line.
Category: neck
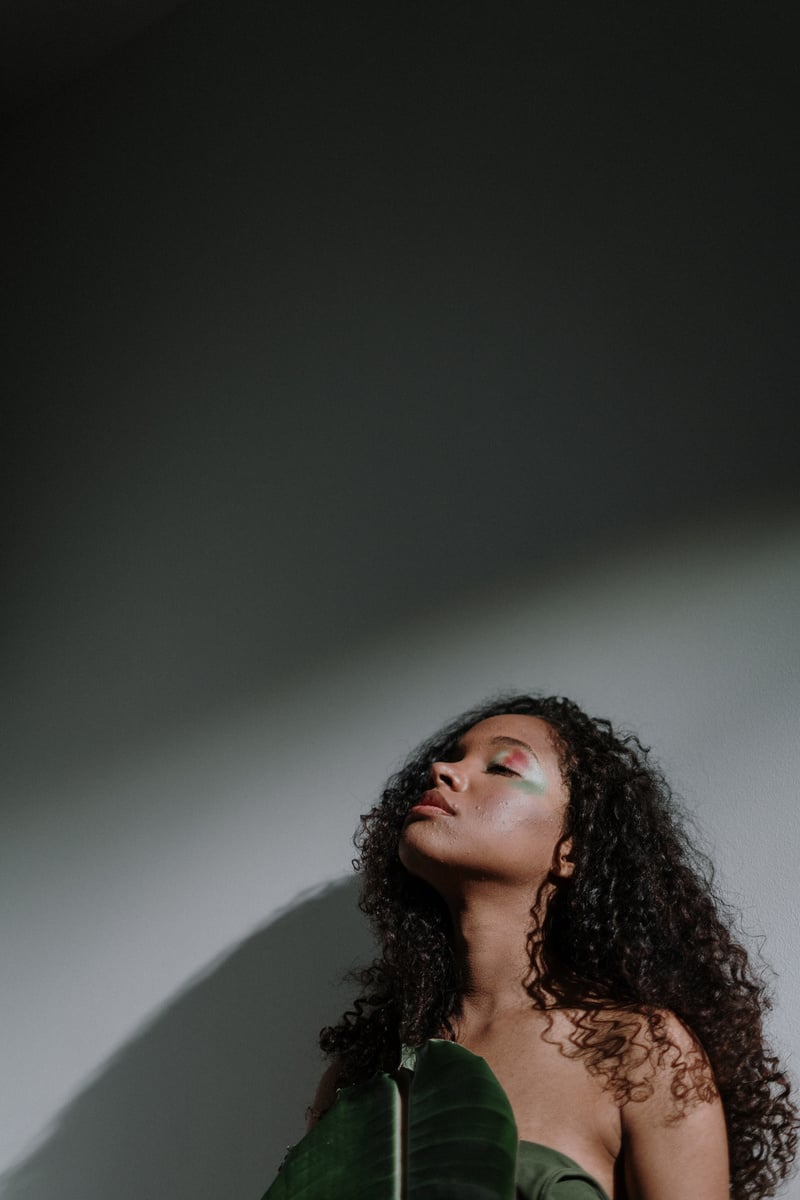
492,950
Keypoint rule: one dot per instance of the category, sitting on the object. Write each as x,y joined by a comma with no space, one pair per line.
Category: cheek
526,836
516,813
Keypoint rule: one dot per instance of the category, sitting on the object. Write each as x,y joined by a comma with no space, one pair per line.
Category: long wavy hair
636,930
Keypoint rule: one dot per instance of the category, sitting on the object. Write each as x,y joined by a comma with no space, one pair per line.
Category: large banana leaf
454,1137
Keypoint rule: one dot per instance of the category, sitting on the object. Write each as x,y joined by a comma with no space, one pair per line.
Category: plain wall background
360,364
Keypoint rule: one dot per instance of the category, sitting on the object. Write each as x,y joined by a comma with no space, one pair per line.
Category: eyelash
500,769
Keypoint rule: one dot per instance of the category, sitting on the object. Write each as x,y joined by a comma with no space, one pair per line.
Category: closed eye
500,769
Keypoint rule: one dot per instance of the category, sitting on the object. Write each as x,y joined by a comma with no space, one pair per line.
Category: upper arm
325,1094
672,1147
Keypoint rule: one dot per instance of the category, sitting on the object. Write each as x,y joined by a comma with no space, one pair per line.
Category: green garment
545,1174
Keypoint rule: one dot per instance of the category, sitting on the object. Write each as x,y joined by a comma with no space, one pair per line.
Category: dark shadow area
319,315
204,1101
44,44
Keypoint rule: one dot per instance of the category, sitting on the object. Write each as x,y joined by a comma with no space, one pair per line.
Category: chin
420,858
413,849
407,853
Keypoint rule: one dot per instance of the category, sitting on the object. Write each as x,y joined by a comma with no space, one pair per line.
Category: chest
556,1101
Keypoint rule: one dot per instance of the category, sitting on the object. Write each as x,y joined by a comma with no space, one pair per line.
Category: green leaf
462,1137
459,1141
353,1151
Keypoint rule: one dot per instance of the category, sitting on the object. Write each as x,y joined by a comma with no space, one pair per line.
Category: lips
433,799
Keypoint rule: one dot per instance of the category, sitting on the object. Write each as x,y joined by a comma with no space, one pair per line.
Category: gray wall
360,365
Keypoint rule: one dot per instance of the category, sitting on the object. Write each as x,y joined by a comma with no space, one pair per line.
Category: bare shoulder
634,1051
657,1111
667,1065
673,1124
325,1094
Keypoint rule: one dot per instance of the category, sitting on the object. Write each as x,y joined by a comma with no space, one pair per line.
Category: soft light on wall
115,914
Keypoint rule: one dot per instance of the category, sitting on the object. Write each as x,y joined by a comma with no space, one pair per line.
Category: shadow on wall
204,1102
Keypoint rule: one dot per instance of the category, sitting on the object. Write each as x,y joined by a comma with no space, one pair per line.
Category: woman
537,901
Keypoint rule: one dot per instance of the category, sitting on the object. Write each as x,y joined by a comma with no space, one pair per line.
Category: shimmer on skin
531,776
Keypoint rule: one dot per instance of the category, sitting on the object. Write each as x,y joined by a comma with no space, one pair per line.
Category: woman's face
494,812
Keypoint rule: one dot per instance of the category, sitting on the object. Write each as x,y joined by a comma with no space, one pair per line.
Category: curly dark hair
637,929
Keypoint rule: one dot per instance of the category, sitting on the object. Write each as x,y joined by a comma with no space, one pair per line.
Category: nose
450,774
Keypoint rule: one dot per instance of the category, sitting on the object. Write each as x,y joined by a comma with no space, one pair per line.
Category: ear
563,862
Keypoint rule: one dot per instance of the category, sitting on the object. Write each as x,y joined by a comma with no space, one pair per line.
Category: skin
498,851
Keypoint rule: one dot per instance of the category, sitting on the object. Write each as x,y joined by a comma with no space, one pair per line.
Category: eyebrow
501,737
